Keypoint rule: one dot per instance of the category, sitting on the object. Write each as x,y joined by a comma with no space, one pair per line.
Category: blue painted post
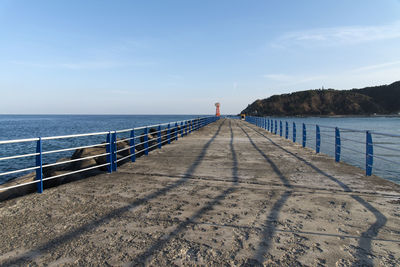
280,128
146,141
114,150
369,154
109,151
39,163
190,126
159,136
132,145
294,132
182,129
287,130
317,139
276,126
304,135
337,144
268,125
169,133
186,126
176,131
265,123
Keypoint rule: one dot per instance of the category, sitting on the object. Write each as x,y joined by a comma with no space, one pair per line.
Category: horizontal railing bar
152,146
20,170
385,134
137,152
346,148
329,135
324,141
388,160
123,140
19,185
74,160
388,148
78,171
124,130
118,160
384,143
73,135
125,148
73,148
394,173
18,141
349,139
19,156
387,155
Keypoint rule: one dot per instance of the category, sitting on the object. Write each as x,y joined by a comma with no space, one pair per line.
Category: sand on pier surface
228,195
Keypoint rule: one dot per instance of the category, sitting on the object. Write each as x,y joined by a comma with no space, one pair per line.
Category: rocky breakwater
78,163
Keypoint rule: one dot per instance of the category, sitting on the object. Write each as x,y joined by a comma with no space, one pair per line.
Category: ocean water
31,126
386,164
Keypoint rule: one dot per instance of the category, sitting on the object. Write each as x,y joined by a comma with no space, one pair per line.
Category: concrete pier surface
230,194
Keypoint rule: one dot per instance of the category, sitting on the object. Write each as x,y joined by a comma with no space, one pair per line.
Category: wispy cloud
340,35
374,74
379,66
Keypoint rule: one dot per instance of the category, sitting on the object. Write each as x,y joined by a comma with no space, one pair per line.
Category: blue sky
180,57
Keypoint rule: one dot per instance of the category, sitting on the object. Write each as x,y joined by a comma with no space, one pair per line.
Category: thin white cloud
375,74
340,35
378,66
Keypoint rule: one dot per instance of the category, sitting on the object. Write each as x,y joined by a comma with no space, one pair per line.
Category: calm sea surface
353,143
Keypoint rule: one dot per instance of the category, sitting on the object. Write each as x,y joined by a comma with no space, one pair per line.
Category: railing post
132,145
280,128
337,144
146,141
109,151
39,163
294,132
268,125
317,139
369,161
169,133
114,150
176,131
304,135
159,136
190,126
181,128
186,124
265,123
286,130
276,126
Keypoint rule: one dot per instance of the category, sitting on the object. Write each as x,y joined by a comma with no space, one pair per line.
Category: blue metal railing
344,144
118,146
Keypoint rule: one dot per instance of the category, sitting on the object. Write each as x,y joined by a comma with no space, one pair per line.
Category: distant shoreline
333,116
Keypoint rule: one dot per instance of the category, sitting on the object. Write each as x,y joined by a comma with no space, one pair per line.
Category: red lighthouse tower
217,112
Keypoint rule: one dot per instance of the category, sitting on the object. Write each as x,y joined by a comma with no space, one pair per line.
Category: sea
352,130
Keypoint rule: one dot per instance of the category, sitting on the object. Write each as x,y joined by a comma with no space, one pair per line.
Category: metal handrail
175,129
303,136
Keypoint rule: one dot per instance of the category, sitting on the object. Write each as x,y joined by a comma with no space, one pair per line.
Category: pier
230,193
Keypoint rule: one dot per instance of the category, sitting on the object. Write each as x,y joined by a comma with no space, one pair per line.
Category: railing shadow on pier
364,244
144,257
62,239
270,223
